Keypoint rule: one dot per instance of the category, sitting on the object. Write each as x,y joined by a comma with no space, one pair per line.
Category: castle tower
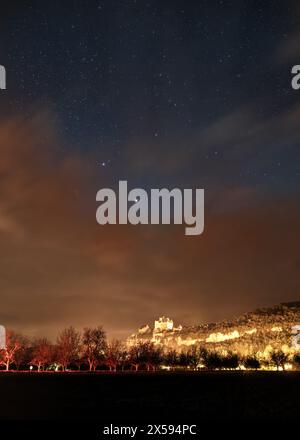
163,324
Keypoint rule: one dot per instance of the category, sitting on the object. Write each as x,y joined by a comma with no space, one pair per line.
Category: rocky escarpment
255,332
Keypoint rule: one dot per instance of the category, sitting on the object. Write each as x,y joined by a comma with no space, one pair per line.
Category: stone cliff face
255,332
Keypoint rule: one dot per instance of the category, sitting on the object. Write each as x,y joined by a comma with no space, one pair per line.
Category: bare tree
42,353
151,355
145,353
230,361
136,355
23,354
113,354
297,360
68,347
171,359
211,359
193,357
124,358
93,346
13,345
251,362
183,359
278,358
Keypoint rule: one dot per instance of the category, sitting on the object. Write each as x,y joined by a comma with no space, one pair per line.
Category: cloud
58,267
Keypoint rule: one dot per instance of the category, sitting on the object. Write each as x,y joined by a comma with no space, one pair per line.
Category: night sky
161,94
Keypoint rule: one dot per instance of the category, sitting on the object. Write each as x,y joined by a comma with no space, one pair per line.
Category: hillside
255,332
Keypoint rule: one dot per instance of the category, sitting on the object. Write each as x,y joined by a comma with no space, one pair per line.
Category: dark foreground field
148,397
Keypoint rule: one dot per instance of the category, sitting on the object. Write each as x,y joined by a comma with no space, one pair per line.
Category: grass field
145,397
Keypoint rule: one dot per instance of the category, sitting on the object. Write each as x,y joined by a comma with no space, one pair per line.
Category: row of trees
71,348
196,358
90,350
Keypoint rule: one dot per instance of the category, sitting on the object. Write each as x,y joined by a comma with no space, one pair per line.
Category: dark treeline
91,351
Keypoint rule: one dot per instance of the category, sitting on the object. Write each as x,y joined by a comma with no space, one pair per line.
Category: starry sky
161,94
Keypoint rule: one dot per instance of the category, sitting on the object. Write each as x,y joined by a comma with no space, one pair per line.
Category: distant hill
254,332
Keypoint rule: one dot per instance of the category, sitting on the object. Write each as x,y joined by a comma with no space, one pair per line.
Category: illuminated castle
258,332
163,324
